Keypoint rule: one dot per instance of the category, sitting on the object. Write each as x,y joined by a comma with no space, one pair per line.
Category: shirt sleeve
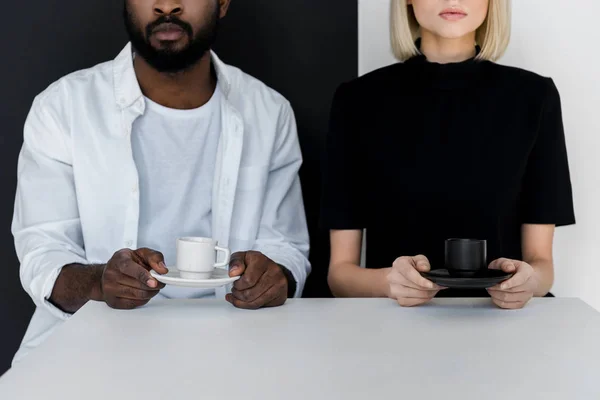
343,204
46,225
547,196
283,233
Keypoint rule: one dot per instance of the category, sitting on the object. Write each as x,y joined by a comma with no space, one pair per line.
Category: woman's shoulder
384,74
523,79
375,82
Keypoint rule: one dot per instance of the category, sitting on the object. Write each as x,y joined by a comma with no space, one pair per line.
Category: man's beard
167,60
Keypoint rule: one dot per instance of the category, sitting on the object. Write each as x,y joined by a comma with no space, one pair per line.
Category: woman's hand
516,291
407,286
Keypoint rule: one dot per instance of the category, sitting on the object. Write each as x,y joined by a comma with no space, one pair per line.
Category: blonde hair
492,36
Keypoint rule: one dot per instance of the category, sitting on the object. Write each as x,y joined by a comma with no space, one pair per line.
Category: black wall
302,48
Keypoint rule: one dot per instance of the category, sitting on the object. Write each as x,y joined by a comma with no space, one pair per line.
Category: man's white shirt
78,193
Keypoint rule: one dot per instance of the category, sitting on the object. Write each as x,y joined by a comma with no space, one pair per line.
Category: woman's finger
516,289
401,291
407,268
508,297
509,305
411,302
421,263
397,279
519,279
500,263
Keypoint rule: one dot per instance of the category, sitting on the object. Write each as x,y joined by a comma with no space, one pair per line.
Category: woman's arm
547,197
344,200
537,241
346,278
546,202
533,276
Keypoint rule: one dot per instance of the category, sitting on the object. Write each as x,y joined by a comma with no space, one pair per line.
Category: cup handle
227,257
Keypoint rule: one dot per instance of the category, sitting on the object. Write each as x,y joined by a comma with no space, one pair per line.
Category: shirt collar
445,76
127,88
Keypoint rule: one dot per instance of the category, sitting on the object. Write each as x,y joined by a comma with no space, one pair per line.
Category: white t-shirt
175,154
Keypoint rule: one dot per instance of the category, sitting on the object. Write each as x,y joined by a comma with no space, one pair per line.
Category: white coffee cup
197,257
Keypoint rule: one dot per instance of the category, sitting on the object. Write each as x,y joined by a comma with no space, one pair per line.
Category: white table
318,349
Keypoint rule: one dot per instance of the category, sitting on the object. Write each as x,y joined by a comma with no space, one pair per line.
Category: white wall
559,39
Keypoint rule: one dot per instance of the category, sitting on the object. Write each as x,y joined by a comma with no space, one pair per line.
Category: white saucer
220,277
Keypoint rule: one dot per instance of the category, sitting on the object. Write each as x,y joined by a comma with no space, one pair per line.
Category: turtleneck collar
447,76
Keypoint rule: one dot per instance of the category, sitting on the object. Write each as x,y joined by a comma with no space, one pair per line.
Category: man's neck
184,90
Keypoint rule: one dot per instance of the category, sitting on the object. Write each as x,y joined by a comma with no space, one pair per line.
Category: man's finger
278,301
151,259
267,297
237,264
256,265
252,294
129,293
136,271
127,304
272,276
124,280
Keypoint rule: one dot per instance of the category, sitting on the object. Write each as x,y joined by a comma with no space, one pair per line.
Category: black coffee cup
466,257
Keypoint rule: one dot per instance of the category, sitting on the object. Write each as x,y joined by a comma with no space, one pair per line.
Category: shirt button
134,189
129,243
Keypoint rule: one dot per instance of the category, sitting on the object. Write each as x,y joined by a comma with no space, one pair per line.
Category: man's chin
168,47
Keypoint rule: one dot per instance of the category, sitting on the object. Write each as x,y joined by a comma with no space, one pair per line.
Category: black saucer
486,279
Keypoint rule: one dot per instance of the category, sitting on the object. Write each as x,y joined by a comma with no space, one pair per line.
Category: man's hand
262,283
126,282
516,292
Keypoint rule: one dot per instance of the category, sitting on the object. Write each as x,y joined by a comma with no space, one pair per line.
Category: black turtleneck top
419,152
